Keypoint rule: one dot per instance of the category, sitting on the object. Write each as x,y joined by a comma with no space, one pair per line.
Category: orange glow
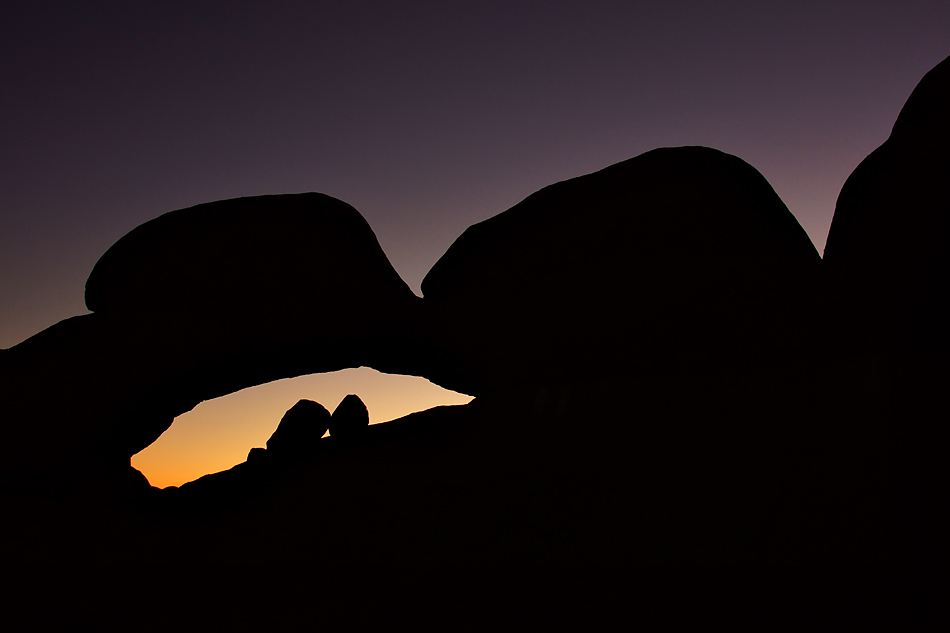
218,434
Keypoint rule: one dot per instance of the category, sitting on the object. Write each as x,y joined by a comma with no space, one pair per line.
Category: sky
425,116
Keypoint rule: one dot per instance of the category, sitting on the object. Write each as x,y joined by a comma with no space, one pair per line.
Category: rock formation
886,253
299,430
887,267
641,340
678,259
292,285
256,454
349,419
681,259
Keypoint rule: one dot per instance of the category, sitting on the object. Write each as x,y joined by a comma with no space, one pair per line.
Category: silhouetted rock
887,267
191,306
256,454
299,429
678,259
886,253
112,483
349,419
266,252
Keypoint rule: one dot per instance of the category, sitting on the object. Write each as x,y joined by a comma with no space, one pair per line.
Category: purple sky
427,117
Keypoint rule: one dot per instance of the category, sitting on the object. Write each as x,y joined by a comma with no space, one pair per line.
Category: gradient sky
425,116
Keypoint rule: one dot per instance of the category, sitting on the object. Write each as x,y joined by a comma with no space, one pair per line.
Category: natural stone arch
183,316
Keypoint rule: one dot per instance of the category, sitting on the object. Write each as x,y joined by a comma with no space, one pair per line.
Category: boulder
680,259
349,419
256,454
299,430
270,253
886,255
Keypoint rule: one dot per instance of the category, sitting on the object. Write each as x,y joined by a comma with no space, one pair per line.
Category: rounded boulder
678,258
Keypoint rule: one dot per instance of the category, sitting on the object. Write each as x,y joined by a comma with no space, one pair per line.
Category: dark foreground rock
678,258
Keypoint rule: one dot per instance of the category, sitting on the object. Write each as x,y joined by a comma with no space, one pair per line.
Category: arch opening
218,434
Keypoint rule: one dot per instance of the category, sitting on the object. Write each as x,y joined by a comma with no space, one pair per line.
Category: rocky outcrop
678,259
299,430
677,264
349,419
886,254
643,338
194,305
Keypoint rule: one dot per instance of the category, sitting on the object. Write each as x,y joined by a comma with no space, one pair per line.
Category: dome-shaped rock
349,419
677,258
299,429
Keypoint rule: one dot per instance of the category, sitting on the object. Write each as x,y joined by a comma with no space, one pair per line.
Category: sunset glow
218,434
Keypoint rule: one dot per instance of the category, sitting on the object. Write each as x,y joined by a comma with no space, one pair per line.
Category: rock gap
218,433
